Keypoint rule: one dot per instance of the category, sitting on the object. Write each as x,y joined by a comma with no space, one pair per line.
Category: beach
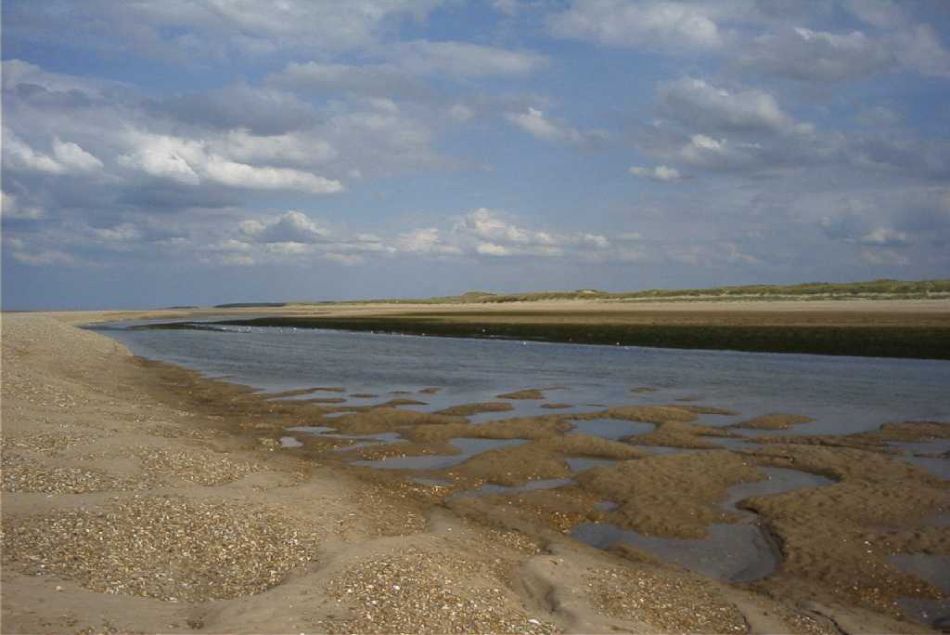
140,496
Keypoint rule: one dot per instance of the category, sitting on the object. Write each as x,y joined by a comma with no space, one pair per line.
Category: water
842,394
582,463
362,440
613,429
936,570
739,552
467,449
529,486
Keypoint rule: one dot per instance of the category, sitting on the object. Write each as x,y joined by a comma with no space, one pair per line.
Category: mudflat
139,496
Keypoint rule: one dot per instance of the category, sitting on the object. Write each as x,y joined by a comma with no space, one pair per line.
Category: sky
193,152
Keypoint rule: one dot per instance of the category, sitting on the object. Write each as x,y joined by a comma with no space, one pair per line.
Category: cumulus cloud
256,110
657,173
650,24
290,227
11,209
703,105
425,240
479,233
538,125
492,233
804,54
191,162
67,157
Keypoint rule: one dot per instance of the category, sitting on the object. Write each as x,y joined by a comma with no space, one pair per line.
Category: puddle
739,552
932,568
778,481
311,429
612,429
363,440
935,457
938,467
366,440
936,613
468,448
935,446
490,488
606,506
290,442
581,463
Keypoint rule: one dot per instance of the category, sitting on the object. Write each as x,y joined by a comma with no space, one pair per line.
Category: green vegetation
865,341
871,290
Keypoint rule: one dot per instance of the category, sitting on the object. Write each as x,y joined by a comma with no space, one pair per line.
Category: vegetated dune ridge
138,496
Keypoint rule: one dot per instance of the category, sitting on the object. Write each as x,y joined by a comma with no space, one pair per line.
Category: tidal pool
739,552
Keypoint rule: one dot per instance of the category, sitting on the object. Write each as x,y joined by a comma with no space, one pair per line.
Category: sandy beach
141,497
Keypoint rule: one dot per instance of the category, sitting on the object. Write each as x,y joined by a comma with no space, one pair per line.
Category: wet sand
138,496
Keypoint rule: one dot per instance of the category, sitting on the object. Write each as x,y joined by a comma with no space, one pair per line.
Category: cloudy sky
160,152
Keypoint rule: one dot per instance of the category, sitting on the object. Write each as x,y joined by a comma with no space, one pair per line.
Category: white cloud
12,209
290,227
164,157
73,158
804,54
648,24
491,233
538,125
465,59
702,105
657,173
34,255
426,240
295,148
920,49
884,237
68,157
189,161
243,175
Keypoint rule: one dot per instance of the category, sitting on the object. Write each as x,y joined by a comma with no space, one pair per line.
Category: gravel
425,592
161,547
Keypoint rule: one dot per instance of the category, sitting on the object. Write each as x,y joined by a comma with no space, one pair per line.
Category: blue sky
205,151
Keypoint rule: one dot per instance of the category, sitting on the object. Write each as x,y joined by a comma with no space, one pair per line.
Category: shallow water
936,570
581,463
529,486
613,429
739,552
843,394
467,449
